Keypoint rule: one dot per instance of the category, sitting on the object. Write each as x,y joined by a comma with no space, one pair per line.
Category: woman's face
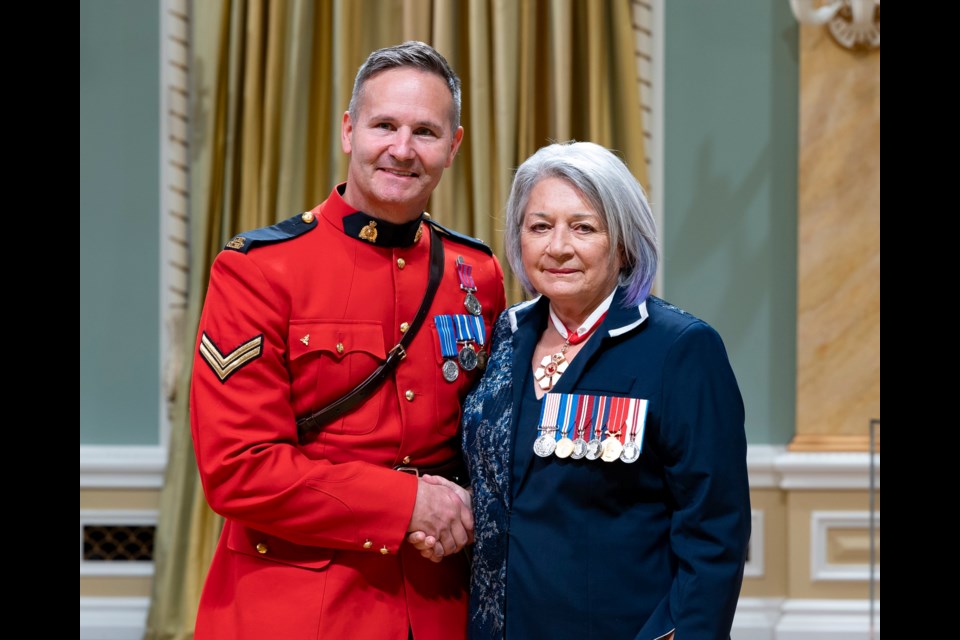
565,248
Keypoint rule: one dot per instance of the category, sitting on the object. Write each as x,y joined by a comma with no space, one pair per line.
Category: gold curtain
270,80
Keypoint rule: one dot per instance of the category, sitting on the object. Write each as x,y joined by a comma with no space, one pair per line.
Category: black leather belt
454,471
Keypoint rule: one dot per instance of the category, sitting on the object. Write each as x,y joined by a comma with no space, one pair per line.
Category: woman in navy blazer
605,441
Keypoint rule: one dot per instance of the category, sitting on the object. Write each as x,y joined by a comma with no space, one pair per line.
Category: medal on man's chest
448,347
467,284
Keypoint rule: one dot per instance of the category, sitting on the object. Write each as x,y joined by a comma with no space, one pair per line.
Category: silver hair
605,182
409,55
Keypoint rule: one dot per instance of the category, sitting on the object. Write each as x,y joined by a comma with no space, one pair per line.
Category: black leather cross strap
308,424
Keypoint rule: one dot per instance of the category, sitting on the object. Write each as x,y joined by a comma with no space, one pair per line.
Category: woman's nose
559,244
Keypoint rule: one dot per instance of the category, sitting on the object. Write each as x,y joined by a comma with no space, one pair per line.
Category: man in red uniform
299,314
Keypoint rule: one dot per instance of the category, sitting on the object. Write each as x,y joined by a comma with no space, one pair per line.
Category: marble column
838,306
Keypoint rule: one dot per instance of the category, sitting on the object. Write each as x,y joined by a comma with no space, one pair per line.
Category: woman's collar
619,319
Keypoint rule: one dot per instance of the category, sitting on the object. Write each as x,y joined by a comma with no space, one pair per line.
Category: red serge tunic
314,540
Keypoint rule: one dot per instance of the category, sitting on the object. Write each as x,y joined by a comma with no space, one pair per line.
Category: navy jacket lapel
619,321
527,322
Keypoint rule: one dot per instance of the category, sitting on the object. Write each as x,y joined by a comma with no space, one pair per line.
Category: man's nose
402,147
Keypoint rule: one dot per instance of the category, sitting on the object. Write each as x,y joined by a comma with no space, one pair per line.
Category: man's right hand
443,515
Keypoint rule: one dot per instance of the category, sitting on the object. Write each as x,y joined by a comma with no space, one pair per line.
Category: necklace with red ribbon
553,366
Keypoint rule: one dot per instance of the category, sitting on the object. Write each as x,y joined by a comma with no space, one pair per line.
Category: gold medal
564,448
612,448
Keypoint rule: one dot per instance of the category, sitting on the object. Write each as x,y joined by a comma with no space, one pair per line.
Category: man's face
400,143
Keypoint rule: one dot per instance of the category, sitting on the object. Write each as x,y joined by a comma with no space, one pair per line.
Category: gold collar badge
369,232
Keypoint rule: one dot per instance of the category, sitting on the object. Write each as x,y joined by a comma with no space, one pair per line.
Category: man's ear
346,131
454,146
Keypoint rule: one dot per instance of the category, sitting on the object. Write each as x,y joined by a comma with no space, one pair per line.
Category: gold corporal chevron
225,365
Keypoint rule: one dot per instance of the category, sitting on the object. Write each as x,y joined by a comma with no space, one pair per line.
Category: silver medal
594,449
472,304
468,358
450,370
630,452
544,445
579,448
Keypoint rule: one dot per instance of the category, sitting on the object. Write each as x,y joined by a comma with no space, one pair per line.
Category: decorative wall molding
804,470
834,443
770,467
174,200
783,619
120,517
754,566
648,29
775,467
854,24
756,618
113,618
761,465
122,467
828,620
821,522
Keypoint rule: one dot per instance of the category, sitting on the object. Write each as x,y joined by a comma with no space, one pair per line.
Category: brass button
367,544
409,395
401,263
262,548
307,217
406,460
404,326
383,550
339,347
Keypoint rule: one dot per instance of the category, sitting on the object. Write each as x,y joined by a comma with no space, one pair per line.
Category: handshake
442,520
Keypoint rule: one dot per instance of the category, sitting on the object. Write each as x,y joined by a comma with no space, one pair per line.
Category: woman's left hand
429,547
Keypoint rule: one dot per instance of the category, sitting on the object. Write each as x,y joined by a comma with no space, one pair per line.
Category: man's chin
399,192
405,204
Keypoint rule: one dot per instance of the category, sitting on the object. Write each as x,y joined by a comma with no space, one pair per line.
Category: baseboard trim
113,618
756,619
828,620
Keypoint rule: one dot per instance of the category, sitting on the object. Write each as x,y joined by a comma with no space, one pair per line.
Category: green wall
730,190
119,222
